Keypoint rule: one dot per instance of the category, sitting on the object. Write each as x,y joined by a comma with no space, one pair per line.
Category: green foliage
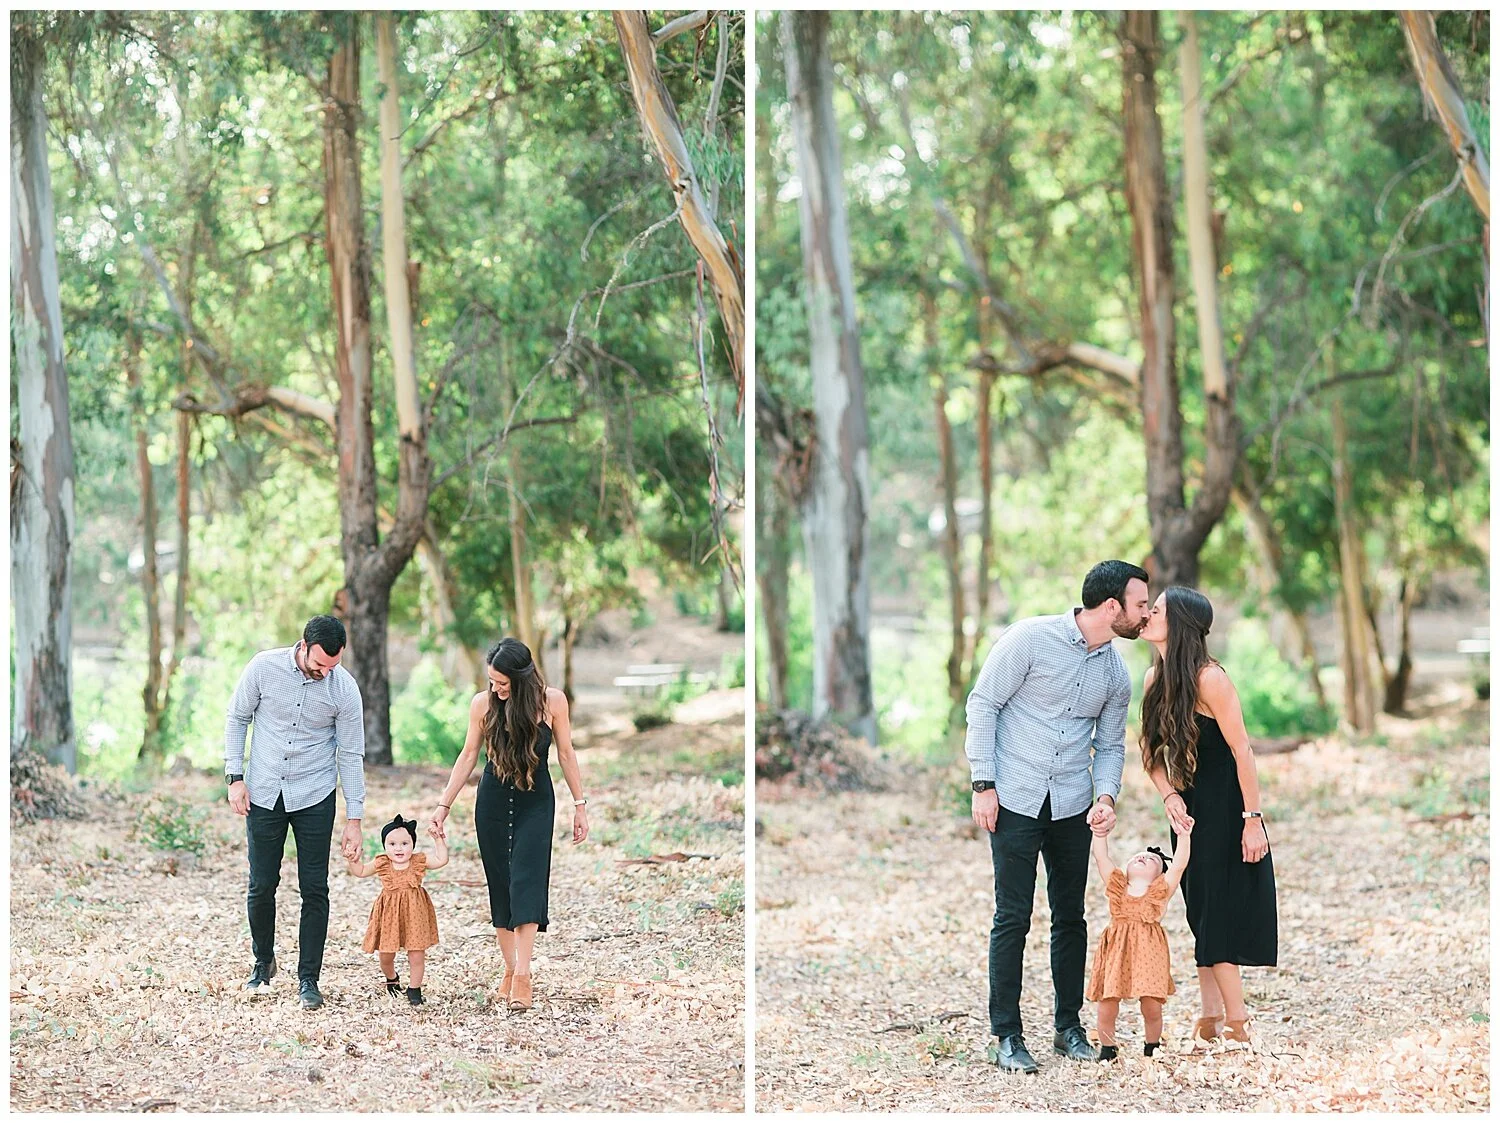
429,718
1275,697
731,900
651,715
1344,271
170,824
527,186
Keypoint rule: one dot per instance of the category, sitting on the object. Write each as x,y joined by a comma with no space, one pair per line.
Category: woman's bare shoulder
557,701
480,702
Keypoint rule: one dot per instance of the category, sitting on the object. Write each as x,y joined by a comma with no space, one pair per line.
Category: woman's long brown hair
510,728
1169,731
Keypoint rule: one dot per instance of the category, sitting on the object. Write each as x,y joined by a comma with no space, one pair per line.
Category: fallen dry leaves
126,982
873,919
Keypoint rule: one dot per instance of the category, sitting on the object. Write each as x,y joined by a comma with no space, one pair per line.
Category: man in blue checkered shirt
1046,749
309,740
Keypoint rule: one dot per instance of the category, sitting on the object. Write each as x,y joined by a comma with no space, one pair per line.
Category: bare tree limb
693,21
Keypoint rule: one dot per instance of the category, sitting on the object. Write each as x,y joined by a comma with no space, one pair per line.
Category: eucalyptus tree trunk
1356,654
663,129
371,565
773,555
952,543
41,478
1177,530
836,509
1398,684
184,538
151,693
462,665
523,615
1297,647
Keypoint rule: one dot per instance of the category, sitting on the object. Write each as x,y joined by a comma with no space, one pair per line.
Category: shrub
429,718
170,824
1274,695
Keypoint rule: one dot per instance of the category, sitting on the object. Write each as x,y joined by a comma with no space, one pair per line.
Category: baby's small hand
432,829
1187,825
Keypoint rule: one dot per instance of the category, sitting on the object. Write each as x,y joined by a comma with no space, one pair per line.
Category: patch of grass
169,824
938,1046
1437,794
731,900
652,716
500,1077
875,1058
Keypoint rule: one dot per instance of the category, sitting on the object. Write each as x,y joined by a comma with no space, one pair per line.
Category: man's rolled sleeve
349,730
1003,673
242,709
1109,742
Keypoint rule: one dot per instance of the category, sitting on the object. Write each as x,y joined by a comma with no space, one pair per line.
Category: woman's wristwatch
1251,815
580,802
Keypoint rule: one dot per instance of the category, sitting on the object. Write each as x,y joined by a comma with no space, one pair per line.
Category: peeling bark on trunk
836,510
151,693
41,481
664,130
1177,530
985,433
1440,85
952,547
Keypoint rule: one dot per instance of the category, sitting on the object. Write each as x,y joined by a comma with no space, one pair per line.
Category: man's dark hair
325,631
1107,581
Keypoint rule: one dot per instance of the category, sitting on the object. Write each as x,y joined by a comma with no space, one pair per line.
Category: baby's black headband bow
1166,859
398,823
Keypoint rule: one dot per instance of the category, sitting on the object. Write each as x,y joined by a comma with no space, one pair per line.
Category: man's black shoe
1074,1042
260,979
1011,1055
307,994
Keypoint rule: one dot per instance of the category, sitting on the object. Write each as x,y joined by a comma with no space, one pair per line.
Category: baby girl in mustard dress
1132,960
402,918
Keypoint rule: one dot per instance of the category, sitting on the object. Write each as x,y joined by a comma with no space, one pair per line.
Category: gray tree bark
41,478
836,509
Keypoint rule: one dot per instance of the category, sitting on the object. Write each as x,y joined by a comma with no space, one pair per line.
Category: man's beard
1129,631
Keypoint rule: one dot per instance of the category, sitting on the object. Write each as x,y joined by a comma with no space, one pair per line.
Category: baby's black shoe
414,996
1108,1052
1152,1047
393,987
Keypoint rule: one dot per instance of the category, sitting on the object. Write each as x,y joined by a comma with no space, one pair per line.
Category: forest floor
873,914
127,966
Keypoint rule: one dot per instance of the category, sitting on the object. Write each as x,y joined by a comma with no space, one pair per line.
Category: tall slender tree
41,475
837,504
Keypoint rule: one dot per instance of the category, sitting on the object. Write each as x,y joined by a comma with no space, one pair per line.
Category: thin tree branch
693,21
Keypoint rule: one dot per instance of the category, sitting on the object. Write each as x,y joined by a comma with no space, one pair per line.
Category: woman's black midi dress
515,841
1231,903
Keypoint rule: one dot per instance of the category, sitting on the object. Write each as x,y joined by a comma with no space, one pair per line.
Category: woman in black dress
516,720
1197,753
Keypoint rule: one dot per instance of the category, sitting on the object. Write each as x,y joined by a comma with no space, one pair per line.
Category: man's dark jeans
312,827
1064,846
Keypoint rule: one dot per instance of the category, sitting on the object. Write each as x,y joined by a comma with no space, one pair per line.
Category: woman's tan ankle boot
1208,1029
1237,1030
520,992
505,985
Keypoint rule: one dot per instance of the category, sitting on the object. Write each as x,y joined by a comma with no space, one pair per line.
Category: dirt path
873,915
126,981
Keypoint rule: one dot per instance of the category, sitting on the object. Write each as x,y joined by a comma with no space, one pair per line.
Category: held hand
435,831
1102,819
439,817
1254,844
580,824
986,809
239,798
1177,813
354,841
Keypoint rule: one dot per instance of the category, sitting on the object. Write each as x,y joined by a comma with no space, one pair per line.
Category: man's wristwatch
983,785
232,778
